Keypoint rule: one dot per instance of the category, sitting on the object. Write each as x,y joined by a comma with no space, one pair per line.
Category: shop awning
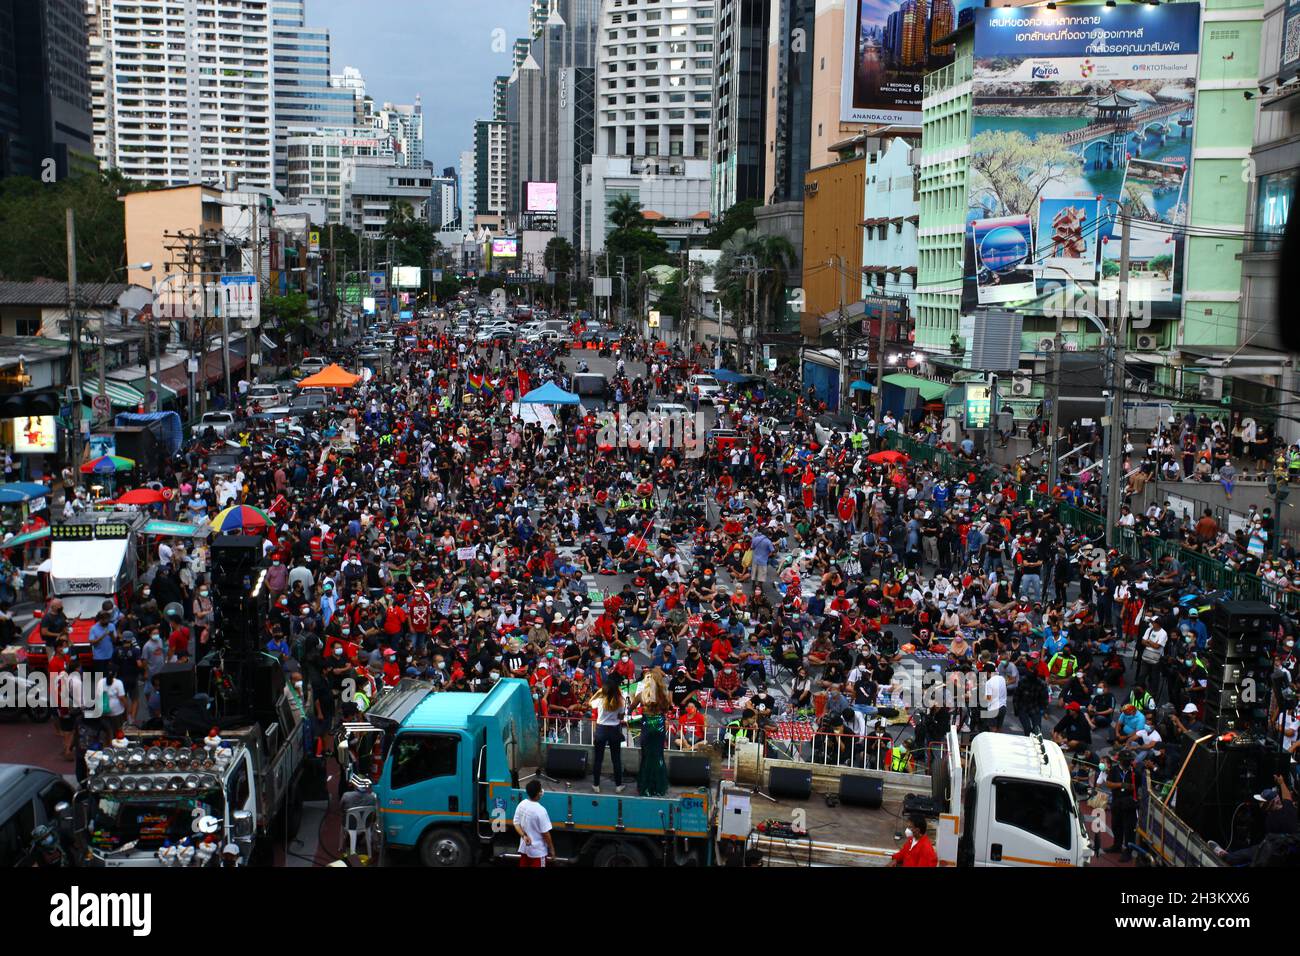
119,393
268,343
176,529
928,390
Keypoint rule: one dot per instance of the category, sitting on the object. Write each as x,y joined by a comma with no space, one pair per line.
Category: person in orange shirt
917,849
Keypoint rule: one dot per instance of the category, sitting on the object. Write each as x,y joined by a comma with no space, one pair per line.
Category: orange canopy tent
332,376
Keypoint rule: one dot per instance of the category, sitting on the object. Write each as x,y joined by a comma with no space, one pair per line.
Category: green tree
769,259
738,217
559,255
294,316
625,213
33,235
1161,264
415,242
1016,169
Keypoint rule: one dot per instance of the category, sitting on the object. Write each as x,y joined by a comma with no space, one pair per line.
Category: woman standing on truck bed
611,716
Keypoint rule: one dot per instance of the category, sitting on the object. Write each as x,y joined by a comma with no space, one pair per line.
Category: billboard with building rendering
1082,115
889,46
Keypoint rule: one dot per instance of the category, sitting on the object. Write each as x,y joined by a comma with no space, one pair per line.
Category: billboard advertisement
1081,114
889,46
541,197
406,277
35,435
505,248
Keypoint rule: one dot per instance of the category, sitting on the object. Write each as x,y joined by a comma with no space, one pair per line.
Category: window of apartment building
678,31
27,327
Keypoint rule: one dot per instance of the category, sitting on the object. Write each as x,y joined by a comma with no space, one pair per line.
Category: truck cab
1012,805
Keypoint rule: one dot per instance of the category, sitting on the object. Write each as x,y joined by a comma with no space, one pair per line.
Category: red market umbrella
888,457
142,496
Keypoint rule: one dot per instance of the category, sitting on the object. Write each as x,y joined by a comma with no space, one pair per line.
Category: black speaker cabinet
789,782
566,762
234,556
1220,779
688,770
856,791
176,686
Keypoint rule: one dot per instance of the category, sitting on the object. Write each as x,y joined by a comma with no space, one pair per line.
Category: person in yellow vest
1062,665
901,759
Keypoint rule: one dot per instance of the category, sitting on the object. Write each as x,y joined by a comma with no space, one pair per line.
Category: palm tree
769,257
625,213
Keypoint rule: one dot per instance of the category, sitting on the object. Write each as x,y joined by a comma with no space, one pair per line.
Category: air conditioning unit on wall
1147,343
1047,343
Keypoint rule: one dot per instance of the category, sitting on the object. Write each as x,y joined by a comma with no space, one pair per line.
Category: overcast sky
442,49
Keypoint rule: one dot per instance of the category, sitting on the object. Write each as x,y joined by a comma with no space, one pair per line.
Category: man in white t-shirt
995,698
1150,653
533,824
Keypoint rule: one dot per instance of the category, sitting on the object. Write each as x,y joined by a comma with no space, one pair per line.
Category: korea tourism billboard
1081,114
889,46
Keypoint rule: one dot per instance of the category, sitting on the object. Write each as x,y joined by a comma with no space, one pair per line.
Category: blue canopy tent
21,492
860,386
549,394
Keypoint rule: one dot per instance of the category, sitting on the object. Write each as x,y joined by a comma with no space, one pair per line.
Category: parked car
267,396
223,424
707,386
312,364
223,463
29,797
830,426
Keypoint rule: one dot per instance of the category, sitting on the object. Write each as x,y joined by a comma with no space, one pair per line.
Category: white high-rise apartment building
467,189
184,90
654,116
406,125
317,162
654,78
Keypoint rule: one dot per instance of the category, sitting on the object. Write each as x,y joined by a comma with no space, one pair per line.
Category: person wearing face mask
916,849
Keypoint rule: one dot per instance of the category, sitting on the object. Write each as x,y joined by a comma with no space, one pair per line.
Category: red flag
525,383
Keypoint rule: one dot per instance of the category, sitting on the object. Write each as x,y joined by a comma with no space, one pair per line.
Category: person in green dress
655,700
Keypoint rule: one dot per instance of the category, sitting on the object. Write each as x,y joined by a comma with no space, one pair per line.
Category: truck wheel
619,854
445,849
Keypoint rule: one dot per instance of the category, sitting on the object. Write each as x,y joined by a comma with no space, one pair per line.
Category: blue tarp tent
732,378
860,386
549,394
166,427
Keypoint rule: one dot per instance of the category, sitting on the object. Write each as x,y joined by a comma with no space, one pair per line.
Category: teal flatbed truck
450,770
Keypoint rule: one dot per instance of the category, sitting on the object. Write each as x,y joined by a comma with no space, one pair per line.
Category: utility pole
1054,418
74,337
225,328
880,366
838,262
334,287
1115,445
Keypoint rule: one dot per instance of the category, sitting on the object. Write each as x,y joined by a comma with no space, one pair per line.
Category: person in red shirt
726,686
720,653
394,621
917,850
691,727
392,674
419,614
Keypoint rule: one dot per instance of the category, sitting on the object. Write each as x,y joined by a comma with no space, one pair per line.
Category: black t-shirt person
681,687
